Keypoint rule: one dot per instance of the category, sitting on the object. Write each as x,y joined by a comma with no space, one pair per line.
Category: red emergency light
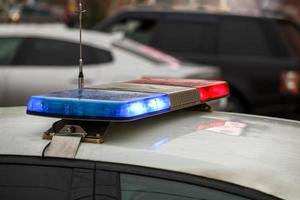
207,89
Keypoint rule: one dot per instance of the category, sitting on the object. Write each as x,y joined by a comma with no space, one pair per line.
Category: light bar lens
207,89
213,92
99,104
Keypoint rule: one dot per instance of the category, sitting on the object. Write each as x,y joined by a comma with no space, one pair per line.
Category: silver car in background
41,58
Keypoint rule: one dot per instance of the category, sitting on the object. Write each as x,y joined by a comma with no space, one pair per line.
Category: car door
44,65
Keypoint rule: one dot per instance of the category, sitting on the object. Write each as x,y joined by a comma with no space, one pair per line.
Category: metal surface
256,152
88,131
63,146
80,75
180,97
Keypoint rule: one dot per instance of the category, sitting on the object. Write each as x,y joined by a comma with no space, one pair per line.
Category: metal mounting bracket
89,131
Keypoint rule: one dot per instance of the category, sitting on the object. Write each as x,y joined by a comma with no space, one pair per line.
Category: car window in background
251,38
291,32
39,51
8,49
137,29
148,188
179,36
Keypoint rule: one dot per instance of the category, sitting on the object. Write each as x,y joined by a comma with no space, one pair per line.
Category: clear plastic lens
90,104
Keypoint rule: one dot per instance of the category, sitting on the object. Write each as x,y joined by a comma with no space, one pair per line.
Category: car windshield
147,52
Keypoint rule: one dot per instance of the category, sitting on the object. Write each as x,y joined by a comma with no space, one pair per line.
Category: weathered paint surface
264,155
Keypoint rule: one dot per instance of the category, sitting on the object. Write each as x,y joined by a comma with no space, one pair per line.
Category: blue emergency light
99,104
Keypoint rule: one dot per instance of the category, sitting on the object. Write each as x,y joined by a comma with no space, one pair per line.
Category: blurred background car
42,58
258,54
36,14
255,42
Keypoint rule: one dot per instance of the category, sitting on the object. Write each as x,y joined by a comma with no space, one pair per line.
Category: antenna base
80,80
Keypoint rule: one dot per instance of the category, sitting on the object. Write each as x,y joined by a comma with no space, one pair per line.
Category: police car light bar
126,101
98,104
207,89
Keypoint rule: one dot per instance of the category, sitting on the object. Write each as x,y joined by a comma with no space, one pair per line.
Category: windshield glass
147,52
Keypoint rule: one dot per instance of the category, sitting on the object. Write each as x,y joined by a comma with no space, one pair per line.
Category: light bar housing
180,97
207,89
127,101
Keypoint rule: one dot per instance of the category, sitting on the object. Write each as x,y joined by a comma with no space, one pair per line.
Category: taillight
290,82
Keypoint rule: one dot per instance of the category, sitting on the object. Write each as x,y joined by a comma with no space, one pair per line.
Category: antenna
80,75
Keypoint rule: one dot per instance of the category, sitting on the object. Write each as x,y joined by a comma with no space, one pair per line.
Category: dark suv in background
258,55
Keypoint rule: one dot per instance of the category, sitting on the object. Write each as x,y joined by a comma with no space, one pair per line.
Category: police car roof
256,152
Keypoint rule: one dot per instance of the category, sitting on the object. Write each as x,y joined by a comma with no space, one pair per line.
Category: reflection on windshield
147,52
